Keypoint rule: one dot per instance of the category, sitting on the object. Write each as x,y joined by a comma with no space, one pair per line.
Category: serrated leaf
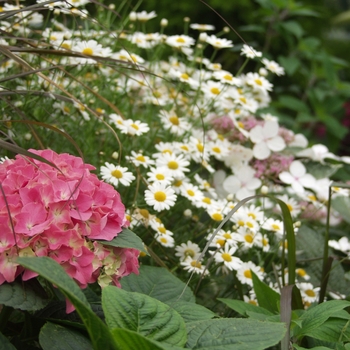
132,340
55,337
242,307
126,239
318,315
5,343
143,314
158,283
234,333
21,296
49,269
191,312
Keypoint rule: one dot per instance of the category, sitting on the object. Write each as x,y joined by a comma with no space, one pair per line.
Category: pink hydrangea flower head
59,212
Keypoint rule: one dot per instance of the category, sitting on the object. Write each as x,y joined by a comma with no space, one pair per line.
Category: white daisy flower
202,27
225,256
192,192
302,273
188,249
179,41
144,16
160,175
131,127
116,174
226,77
249,52
139,159
166,240
176,164
273,66
160,196
308,292
274,225
219,43
192,265
176,125
244,273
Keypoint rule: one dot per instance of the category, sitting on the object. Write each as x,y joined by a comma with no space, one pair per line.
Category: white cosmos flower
297,177
266,139
243,184
116,174
160,196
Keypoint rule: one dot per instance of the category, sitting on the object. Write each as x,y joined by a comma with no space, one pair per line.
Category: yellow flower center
162,229
173,165
160,196
265,242
200,147
258,82
217,217
252,215
88,51
174,120
141,158
117,174
247,274
310,293
289,207
135,126
301,272
249,224
240,223
249,238
184,147
243,99
160,177
275,227
184,76
227,235
221,242
180,40
190,193
226,256
227,77
144,213
206,200
163,240
196,264
216,149
215,91
189,252
177,183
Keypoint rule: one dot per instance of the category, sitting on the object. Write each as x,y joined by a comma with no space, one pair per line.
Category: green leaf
304,12
132,340
293,27
126,239
53,272
293,103
333,330
191,312
21,296
158,283
242,307
266,296
55,337
297,347
143,314
234,333
5,343
342,205
317,315
290,64
321,171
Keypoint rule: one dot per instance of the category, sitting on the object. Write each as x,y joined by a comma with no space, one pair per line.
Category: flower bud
264,190
163,22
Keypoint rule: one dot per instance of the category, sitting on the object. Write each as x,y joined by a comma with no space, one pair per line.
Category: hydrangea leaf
158,283
321,171
5,343
126,239
234,333
342,205
143,314
21,296
49,269
56,337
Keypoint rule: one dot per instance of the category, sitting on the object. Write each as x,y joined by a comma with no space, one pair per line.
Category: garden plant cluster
154,190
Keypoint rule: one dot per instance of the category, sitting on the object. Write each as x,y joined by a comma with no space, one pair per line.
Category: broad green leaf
342,205
317,315
290,64
21,296
304,12
234,333
266,296
55,337
333,330
53,272
293,103
191,312
242,307
143,314
132,340
126,239
293,27
158,283
321,171
5,343
297,347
